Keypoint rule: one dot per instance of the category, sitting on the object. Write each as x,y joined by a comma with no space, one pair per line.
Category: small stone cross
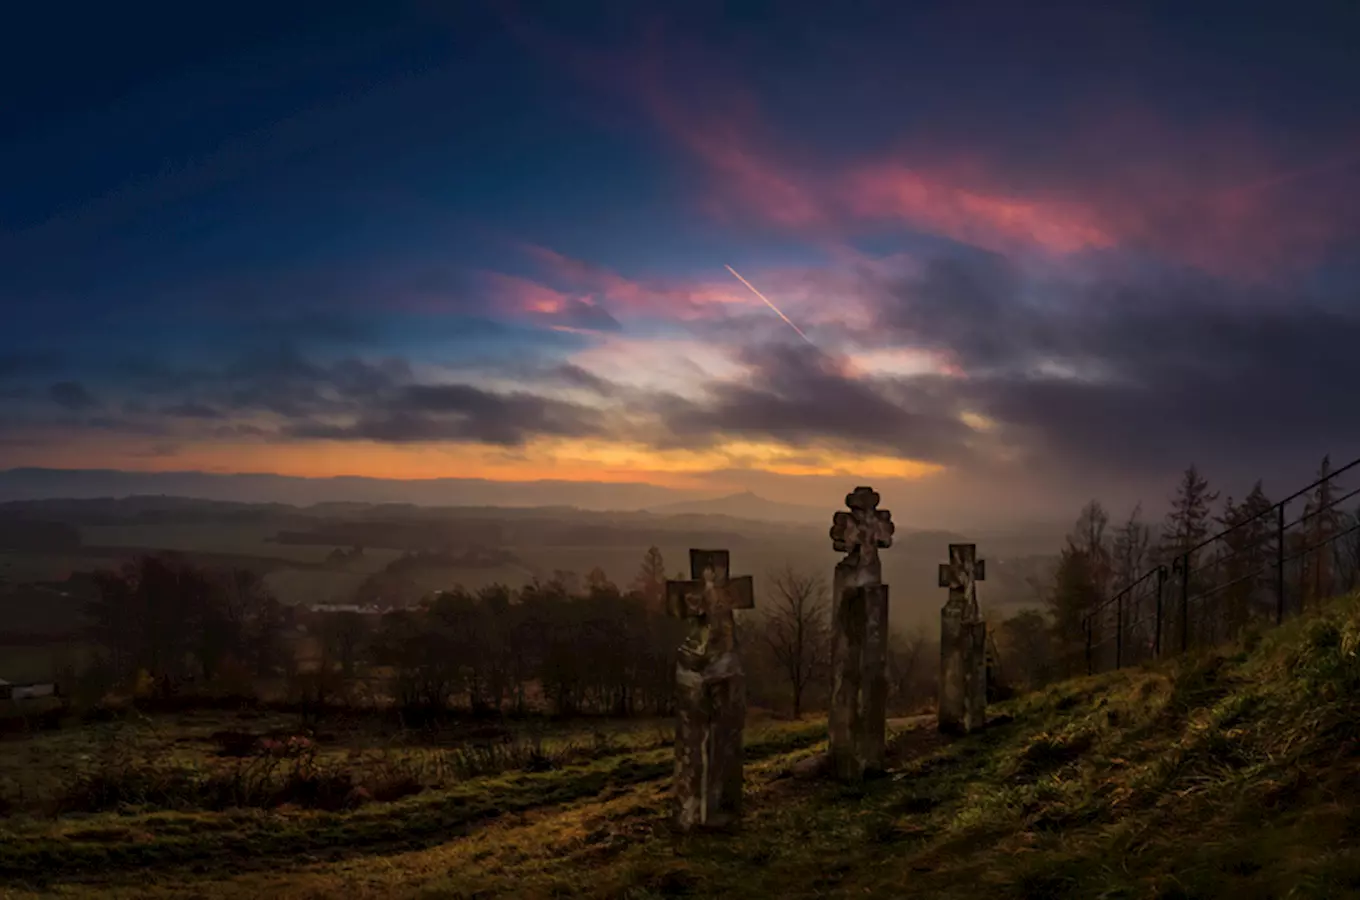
707,600
962,570
864,530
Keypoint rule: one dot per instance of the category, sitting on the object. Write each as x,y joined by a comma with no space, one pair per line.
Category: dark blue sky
489,238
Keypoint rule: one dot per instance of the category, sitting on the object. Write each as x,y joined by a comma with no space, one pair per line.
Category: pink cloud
514,294
1226,199
992,220
667,298
1231,200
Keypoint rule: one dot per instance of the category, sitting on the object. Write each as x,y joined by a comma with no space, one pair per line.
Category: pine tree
1323,523
1072,597
1185,528
1130,552
1088,536
650,582
1130,562
1258,535
1243,556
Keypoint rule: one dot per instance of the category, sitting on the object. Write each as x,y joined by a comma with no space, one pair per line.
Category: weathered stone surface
963,644
859,628
710,692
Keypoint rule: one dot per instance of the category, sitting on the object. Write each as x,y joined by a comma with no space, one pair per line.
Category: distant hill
745,506
41,484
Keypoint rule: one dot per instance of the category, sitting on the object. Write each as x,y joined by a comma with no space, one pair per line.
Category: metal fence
1265,566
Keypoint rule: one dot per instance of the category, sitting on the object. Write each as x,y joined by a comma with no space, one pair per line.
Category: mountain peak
744,505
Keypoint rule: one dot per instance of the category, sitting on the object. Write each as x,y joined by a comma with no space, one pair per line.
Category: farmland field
242,540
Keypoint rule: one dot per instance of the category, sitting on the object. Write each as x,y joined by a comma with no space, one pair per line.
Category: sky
1025,254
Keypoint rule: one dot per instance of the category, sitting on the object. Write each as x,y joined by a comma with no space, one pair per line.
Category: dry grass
1228,774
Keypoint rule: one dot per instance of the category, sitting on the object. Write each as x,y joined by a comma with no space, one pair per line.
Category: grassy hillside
1231,773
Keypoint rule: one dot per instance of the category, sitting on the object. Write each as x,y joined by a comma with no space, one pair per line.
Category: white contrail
776,309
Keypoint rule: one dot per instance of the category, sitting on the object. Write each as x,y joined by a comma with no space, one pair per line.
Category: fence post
1157,635
1119,631
1086,623
1185,601
1279,566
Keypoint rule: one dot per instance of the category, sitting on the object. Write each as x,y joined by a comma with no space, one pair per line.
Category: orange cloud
547,458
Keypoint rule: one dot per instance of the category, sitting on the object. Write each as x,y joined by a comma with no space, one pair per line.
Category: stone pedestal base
963,673
710,715
858,718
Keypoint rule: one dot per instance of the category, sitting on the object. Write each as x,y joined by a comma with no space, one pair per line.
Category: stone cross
863,531
859,629
963,644
707,602
710,692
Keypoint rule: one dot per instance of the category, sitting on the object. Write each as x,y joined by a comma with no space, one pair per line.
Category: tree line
565,645
1221,574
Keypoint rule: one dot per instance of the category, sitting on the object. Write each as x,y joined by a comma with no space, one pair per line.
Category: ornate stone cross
859,634
707,602
862,531
710,692
961,573
963,644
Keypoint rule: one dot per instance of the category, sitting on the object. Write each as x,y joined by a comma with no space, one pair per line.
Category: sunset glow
677,253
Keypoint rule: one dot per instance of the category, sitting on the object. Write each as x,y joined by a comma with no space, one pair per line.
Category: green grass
1233,773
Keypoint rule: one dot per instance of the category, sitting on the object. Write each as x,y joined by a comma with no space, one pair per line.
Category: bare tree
796,629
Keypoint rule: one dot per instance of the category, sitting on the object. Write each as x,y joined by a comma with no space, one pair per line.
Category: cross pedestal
710,692
859,632
963,644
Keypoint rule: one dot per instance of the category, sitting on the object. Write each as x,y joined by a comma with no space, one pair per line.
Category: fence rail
1262,567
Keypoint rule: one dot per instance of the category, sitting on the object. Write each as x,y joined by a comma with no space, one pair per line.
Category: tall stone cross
859,630
963,644
710,692
862,532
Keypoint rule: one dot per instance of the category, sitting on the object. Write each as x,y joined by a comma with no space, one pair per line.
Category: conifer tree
650,582
1321,527
1185,528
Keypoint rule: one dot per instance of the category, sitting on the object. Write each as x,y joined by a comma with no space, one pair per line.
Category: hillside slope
1227,773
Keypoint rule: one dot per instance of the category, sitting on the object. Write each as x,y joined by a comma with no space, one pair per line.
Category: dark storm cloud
346,399
797,394
72,395
459,412
575,376
1140,374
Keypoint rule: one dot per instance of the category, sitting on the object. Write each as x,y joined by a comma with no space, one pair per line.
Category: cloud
72,395
1137,374
547,305
799,395
993,220
671,299
1233,197
191,410
457,412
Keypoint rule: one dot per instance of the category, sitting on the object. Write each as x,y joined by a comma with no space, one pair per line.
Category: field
1231,773
537,545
